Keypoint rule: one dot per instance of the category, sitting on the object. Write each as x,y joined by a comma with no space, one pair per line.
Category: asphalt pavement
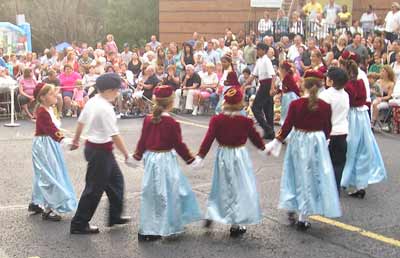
368,228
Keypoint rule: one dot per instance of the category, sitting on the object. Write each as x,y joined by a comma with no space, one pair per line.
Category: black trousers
337,151
103,175
263,107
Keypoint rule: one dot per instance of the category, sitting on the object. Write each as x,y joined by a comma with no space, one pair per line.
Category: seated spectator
160,73
374,87
209,82
377,64
172,78
339,47
249,90
52,79
187,57
135,65
189,88
68,80
27,85
386,83
85,61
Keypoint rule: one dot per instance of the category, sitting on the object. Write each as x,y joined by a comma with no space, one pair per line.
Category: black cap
108,81
262,46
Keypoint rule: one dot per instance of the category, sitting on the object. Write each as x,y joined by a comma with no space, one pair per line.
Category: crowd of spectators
195,67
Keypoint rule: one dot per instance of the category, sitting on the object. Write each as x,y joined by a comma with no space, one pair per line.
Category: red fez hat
316,74
163,91
286,65
37,89
232,79
233,96
345,55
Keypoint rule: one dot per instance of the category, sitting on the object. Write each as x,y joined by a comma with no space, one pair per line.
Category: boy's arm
119,143
77,136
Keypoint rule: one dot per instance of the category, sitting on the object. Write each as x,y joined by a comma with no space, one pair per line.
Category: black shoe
85,230
237,231
303,225
51,216
143,238
208,223
36,209
119,221
292,218
358,194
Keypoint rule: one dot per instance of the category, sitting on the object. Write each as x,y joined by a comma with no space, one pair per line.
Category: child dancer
103,173
308,184
234,198
52,187
337,97
364,164
290,91
167,203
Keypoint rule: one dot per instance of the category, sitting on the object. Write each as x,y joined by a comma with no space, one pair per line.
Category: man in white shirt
338,98
103,172
331,11
126,55
265,26
263,105
293,51
390,23
367,21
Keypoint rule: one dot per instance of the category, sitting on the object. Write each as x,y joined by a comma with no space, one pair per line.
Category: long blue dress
52,187
168,202
308,184
364,163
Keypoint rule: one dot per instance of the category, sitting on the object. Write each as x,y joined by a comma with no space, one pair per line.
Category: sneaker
194,113
142,238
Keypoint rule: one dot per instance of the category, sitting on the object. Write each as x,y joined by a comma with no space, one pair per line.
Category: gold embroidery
59,134
231,92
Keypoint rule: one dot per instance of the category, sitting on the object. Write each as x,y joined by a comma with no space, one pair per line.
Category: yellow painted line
369,234
350,228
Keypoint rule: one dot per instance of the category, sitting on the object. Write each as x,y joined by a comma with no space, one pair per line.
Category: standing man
331,11
249,53
154,44
263,106
390,25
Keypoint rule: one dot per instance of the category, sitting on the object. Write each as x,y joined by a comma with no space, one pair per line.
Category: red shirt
230,131
357,93
300,117
45,126
163,136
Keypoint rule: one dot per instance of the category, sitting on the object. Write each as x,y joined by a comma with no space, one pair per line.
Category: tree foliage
52,22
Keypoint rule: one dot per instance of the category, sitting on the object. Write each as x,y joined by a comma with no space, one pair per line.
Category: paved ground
24,236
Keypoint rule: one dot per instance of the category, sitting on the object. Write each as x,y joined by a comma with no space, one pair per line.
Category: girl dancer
290,91
234,198
167,203
364,164
308,184
52,187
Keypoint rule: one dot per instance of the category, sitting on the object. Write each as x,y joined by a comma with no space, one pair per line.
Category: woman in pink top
68,81
27,85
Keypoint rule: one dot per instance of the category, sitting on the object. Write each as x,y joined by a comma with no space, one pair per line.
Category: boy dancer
103,173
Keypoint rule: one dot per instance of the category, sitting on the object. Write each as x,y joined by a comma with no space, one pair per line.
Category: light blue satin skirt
308,184
168,202
364,164
218,108
52,187
287,98
234,198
